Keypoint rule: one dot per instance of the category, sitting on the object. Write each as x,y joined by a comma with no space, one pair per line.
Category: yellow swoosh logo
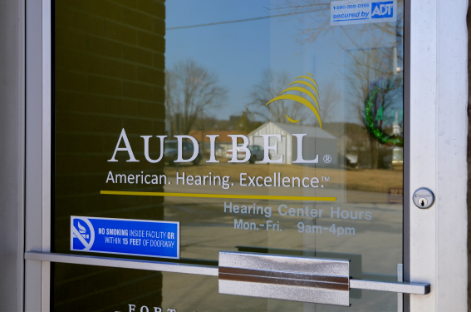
303,91
301,100
309,78
305,83
292,120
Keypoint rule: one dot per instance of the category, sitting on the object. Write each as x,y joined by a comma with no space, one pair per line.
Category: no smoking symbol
327,158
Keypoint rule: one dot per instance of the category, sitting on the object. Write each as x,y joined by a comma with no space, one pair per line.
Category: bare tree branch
190,89
270,86
329,98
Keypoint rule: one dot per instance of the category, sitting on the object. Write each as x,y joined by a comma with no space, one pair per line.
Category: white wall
283,146
288,146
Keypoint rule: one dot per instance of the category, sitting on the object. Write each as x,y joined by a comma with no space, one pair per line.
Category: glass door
197,133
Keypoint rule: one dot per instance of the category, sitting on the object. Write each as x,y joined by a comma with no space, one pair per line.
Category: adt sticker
125,236
362,11
382,9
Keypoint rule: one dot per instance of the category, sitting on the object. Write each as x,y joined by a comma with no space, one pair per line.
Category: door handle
313,280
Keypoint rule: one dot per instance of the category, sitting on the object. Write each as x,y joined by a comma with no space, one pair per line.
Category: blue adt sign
350,12
382,9
125,236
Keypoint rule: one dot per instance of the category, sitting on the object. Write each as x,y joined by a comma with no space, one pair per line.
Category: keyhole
423,198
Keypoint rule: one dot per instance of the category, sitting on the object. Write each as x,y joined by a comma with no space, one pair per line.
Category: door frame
38,151
435,75
435,247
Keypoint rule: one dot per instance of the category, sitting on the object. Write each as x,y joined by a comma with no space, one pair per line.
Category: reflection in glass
238,78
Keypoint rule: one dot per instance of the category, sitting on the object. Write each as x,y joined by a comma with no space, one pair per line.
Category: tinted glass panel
282,124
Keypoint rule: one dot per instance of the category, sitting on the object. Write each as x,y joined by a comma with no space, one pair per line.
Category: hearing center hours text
245,179
250,210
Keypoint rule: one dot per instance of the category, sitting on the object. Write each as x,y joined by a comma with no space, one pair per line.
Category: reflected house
223,141
316,142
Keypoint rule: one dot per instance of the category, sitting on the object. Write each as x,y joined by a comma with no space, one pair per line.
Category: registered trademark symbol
327,158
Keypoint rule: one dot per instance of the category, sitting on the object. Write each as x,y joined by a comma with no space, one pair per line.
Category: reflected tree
377,104
269,87
329,99
247,122
369,67
190,90
374,60
372,48
375,93
316,23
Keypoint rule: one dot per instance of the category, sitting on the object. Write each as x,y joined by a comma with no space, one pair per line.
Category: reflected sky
239,52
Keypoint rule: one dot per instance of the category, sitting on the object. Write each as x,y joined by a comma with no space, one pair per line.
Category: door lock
423,198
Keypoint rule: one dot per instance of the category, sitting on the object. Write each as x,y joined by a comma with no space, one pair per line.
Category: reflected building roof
311,131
